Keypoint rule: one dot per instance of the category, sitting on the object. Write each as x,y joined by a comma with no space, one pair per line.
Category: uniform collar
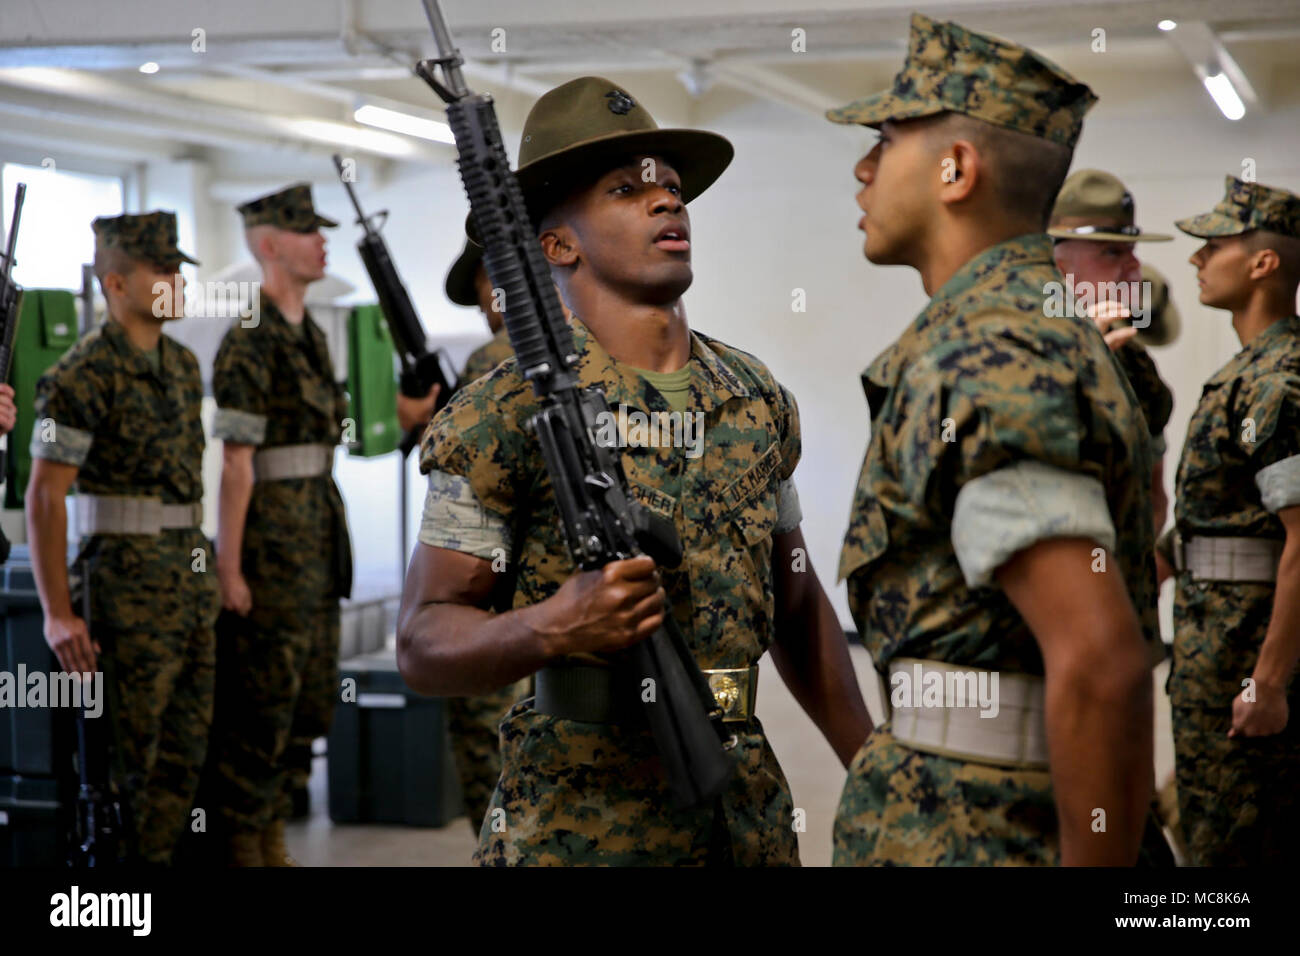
1271,342
169,357
932,325
712,383
277,325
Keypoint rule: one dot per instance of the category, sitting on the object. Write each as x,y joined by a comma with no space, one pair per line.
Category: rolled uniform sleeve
475,459
1013,508
1273,409
990,446
241,381
788,512
70,404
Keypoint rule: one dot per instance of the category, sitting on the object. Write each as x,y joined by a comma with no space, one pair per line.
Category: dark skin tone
1098,679
616,271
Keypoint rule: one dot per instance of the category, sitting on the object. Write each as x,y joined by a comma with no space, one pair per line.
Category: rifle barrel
11,245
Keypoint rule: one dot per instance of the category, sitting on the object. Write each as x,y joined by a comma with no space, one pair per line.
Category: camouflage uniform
133,431
274,386
1240,465
1095,206
575,792
473,723
487,356
1036,404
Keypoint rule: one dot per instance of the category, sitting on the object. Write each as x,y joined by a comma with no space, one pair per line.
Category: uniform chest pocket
752,501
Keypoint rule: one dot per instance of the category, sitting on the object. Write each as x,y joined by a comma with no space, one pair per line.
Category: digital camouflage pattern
951,69
1017,387
289,208
1235,797
473,723
150,236
595,793
133,431
274,386
1153,396
1246,206
487,356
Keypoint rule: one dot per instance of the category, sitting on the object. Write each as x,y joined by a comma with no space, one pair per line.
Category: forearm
1281,648
813,659
454,650
1099,734
232,510
47,532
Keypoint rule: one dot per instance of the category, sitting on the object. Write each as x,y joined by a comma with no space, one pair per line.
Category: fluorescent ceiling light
335,134
1167,25
150,67
1225,96
400,122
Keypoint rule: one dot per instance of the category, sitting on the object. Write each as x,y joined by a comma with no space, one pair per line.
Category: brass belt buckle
734,689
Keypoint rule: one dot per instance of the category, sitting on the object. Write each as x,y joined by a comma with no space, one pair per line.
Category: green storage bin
372,383
47,327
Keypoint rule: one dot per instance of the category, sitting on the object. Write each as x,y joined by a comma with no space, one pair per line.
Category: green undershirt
675,387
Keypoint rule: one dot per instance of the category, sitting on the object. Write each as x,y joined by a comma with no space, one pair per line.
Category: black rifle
600,520
421,369
10,293
102,835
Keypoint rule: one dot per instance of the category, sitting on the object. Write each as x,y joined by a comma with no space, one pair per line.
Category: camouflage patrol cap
460,287
951,69
1246,206
290,208
1094,205
148,236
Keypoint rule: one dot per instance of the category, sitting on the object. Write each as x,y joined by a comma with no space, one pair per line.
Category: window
54,235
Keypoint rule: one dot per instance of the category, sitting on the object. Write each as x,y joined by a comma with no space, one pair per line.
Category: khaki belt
293,461
596,695
1014,736
122,514
1209,558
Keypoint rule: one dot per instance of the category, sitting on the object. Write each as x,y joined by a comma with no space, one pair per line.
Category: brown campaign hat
578,125
1094,205
1166,322
149,236
951,69
290,208
460,287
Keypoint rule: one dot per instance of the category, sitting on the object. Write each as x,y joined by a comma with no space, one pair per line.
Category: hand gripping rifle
103,834
421,369
10,293
601,522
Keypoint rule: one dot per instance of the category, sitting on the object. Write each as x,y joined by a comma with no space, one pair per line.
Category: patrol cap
1246,206
148,236
460,287
1166,322
591,120
951,69
1095,205
290,208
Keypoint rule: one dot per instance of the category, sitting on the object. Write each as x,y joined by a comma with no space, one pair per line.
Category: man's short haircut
1027,172
112,260
1286,247
253,237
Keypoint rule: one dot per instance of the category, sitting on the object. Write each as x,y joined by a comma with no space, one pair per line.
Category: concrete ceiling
282,79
